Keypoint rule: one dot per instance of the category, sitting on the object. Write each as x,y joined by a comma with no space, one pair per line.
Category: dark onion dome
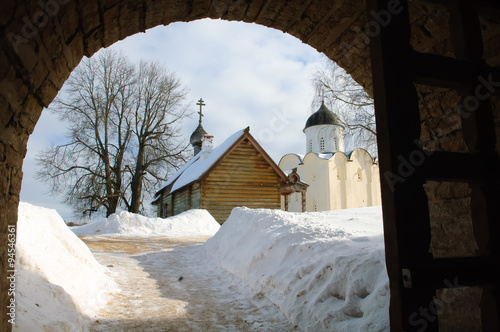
323,116
196,139
197,135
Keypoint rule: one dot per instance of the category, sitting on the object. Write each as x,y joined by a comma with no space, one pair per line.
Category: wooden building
237,173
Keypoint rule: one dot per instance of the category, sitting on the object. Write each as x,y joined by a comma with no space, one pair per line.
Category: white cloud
248,75
49,130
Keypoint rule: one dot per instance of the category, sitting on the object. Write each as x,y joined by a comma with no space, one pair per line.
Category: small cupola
324,132
196,138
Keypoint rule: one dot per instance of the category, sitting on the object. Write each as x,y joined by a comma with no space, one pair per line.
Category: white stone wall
359,180
331,135
315,173
338,177
338,182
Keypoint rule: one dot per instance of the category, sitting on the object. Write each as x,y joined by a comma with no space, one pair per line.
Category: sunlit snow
322,271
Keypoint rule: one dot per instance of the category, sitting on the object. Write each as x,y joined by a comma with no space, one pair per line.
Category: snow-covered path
167,286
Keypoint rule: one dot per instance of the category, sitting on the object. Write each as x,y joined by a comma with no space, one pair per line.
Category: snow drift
59,283
325,271
192,223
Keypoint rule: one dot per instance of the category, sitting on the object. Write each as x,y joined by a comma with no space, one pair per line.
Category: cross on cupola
201,104
197,136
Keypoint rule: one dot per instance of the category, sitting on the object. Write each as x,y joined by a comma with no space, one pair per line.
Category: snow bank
325,271
191,223
59,283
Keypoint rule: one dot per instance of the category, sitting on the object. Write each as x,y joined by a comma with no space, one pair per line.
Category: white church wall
351,175
335,183
376,196
338,197
324,138
316,172
359,180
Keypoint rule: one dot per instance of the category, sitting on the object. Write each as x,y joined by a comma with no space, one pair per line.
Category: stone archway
41,42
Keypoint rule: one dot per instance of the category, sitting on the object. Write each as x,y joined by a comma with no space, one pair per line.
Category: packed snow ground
167,286
262,270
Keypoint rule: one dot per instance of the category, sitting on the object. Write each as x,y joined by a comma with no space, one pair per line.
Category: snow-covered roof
199,165
181,170
373,159
325,155
299,156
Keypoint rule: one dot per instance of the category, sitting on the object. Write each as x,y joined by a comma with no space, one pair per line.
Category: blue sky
248,75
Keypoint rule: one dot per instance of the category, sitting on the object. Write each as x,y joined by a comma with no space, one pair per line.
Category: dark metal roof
323,116
197,135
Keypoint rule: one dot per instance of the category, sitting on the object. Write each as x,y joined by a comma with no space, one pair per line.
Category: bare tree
108,109
156,112
351,103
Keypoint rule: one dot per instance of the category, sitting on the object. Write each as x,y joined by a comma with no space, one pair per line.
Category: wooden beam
405,210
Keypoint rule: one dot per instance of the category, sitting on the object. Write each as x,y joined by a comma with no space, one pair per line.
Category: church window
336,142
315,206
310,145
322,144
360,174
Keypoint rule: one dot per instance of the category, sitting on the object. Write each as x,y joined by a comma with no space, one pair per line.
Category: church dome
197,136
323,116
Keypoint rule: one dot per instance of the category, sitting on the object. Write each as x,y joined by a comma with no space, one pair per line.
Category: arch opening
42,44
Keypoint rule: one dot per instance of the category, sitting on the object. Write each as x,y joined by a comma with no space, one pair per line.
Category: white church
335,179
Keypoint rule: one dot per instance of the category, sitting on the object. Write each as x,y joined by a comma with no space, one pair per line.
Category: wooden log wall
185,199
244,178
165,203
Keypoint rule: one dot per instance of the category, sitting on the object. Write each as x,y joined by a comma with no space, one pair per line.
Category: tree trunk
113,204
136,185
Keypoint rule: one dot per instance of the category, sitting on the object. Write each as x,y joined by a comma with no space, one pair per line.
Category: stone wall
41,42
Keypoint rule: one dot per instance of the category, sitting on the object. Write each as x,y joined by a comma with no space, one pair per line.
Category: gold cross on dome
201,104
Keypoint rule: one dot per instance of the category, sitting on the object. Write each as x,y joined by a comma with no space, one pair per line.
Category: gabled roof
200,166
